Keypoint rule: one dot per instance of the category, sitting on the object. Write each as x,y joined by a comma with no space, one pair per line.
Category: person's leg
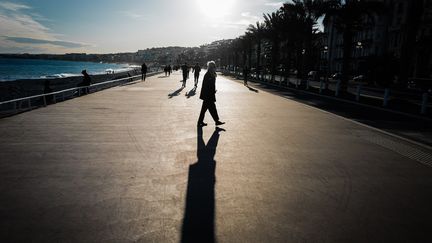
202,113
213,111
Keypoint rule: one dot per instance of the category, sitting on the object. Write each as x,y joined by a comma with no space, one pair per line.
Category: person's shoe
218,123
201,124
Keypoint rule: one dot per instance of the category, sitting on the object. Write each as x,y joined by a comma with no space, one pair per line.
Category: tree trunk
258,58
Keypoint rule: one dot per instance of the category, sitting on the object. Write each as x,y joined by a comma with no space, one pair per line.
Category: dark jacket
208,89
86,80
144,68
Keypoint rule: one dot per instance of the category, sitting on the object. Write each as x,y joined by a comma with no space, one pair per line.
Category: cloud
60,43
13,6
23,30
274,4
246,19
131,14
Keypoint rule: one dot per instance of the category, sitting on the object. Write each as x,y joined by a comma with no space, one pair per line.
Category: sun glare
215,8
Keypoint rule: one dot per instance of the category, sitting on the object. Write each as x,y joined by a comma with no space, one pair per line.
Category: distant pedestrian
185,71
143,71
188,71
208,95
196,70
86,82
47,90
245,75
166,70
169,70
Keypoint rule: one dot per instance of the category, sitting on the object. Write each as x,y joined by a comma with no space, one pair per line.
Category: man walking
185,71
196,70
143,71
208,95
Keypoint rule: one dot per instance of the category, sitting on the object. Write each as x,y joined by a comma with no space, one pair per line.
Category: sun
215,8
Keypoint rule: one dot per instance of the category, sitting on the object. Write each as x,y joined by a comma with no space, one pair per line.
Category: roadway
128,164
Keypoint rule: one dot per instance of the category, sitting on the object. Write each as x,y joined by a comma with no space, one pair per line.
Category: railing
359,91
44,99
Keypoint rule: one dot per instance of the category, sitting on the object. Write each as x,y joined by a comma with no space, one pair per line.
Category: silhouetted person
47,90
185,71
245,75
208,95
188,71
199,217
196,70
86,82
166,70
143,71
169,70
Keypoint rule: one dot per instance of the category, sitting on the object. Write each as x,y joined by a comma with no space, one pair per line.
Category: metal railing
43,100
359,91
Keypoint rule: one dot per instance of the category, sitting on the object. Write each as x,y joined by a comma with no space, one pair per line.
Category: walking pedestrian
208,95
86,82
196,70
185,71
245,75
143,71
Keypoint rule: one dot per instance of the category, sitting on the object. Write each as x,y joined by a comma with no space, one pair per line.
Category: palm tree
300,19
273,23
257,32
349,16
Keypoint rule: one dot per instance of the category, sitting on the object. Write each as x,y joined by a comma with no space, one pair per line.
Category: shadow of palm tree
198,221
175,93
191,93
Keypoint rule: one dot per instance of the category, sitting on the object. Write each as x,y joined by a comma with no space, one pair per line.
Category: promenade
128,164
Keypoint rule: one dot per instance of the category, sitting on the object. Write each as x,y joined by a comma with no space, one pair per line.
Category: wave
61,75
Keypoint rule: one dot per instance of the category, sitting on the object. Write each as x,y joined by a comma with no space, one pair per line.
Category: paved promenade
128,164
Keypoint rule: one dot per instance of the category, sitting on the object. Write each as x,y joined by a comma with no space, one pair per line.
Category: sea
15,69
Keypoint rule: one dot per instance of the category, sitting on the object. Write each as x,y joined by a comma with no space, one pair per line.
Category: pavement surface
128,164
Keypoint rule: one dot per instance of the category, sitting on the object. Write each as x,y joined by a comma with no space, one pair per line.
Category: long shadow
198,222
252,89
191,93
175,93
163,77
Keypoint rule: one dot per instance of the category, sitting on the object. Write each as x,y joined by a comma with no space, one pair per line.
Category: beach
27,87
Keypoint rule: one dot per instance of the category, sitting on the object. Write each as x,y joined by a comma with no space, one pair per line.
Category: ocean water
14,69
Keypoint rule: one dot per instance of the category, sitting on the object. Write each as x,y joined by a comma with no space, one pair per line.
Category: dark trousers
211,106
184,79
196,77
143,76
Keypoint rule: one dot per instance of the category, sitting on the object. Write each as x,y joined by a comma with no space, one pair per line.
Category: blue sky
108,26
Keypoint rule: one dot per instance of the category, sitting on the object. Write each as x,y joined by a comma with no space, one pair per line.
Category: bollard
424,103
337,88
79,92
358,92
307,84
15,106
386,97
63,96
296,83
44,100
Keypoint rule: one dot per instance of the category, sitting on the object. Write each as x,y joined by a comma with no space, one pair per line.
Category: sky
112,26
